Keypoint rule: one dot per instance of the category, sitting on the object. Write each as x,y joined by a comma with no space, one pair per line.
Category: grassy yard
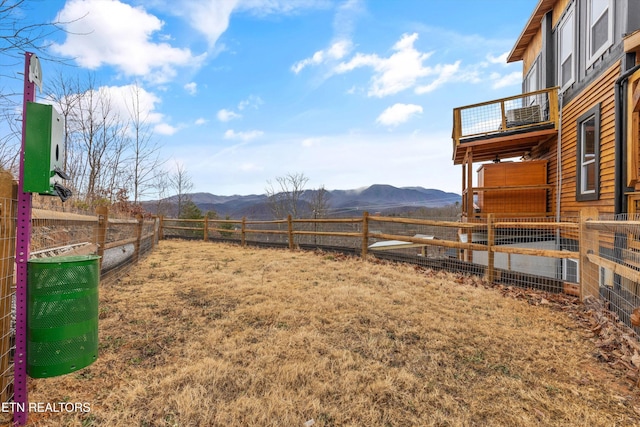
204,334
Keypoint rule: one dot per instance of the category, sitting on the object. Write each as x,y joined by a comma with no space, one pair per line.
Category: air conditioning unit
523,116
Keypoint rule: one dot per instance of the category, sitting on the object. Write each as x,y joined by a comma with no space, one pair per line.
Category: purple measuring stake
23,238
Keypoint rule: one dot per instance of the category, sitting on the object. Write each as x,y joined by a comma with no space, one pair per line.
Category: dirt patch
203,334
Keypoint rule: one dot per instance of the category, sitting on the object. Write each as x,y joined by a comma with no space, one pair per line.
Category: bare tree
145,158
182,184
161,185
98,140
320,202
16,37
284,197
65,94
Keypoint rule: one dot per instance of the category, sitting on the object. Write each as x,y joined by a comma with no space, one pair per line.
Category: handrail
493,117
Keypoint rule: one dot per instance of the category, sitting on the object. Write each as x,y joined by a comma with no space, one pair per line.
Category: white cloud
95,37
243,136
225,115
165,129
335,52
117,104
398,113
343,27
500,60
211,17
405,69
500,81
310,142
398,72
346,16
252,101
445,73
280,7
191,88
200,121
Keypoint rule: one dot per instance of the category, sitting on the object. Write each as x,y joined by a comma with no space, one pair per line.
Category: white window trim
606,278
565,262
592,58
570,15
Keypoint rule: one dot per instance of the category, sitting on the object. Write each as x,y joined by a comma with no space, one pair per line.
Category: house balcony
504,128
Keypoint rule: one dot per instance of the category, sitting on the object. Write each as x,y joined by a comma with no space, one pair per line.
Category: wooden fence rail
595,250
465,249
583,231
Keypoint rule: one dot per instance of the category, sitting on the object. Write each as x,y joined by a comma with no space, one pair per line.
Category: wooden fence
584,257
589,257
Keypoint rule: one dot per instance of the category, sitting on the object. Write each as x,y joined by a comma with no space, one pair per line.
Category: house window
570,270
600,28
606,278
588,146
531,81
566,68
531,85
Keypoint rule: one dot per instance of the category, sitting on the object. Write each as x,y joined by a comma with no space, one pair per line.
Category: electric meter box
43,149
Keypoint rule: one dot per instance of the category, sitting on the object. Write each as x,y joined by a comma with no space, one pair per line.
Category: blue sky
349,92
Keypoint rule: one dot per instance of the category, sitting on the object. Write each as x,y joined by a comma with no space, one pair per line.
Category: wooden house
577,116
571,139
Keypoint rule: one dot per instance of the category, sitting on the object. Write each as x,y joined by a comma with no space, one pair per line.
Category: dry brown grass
203,334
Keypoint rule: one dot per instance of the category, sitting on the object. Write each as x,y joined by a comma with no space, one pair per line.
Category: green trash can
62,314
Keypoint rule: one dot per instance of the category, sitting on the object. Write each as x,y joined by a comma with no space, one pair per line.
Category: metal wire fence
588,257
531,109
7,296
611,267
595,258
119,242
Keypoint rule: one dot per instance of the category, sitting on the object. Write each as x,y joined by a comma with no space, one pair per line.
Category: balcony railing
523,113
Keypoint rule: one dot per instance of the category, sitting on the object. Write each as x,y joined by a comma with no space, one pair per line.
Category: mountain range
385,199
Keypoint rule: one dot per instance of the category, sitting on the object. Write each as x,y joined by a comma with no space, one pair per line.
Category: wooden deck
505,128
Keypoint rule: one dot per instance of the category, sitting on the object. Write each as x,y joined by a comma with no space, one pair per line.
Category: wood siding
558,10
600,91
533,50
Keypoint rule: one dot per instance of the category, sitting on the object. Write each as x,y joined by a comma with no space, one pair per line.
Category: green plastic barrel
62,314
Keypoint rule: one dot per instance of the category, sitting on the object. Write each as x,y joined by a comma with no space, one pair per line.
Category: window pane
588,147
600,33
565,50
589,177
566,71
588,139
597,7
566,38
532,81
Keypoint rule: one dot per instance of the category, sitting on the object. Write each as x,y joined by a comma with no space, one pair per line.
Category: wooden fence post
206,229
155,233
589,242
243,232
100,230
290,225
8,193
491,237
365,234
136,250
161,228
